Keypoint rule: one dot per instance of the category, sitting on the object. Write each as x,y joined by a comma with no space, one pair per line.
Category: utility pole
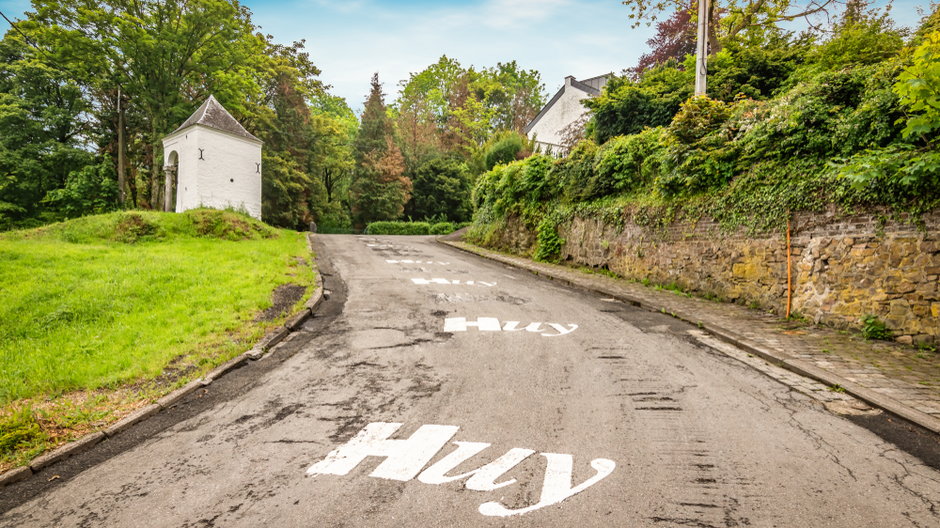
701,48
122,183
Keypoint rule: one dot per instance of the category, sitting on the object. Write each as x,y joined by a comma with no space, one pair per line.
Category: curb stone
170,399
777,357
269,341
72,448
294,322
233,363
15,475
274,337
132,418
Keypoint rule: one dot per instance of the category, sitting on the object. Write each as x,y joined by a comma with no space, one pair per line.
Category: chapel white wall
228,175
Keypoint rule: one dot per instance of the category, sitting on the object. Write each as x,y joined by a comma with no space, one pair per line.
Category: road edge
776,357
259,350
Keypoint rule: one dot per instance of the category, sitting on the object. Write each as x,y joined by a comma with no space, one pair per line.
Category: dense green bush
398,228
89,190
859,39
548,244
506,147
698,117
624,163
627,107
443,228
756,70
569,175
441,188
919,87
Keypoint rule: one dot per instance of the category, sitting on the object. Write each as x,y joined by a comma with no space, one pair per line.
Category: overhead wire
29,41
18,30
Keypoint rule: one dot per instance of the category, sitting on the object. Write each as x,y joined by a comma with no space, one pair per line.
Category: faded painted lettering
456,282
410,261
460,324
491,324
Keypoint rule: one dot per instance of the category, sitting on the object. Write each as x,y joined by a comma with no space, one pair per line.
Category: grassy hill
103,313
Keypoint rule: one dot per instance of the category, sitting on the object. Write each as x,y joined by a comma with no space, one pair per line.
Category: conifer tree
379,189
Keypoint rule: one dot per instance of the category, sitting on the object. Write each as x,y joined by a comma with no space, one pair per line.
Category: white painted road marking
460,324
491,324
409,261
455,282
404,460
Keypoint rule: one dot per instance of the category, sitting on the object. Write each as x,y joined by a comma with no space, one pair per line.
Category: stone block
174,397
72,448
132,418
15,475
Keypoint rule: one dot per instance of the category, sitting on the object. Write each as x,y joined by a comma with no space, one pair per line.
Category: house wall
565,111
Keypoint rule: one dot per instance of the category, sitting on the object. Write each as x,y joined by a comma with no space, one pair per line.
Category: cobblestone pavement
894,377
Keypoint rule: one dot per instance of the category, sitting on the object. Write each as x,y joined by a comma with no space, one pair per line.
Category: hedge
413,228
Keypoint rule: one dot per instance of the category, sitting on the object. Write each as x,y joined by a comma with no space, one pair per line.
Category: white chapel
212,161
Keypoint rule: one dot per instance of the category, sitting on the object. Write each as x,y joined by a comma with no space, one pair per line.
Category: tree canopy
79,76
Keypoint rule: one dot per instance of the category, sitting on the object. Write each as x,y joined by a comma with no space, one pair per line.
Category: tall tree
156,60
674,39
162,53
514,95
335,127
44,133
737,16
442,190
453,109
379,189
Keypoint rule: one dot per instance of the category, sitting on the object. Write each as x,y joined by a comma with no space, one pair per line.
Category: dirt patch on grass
283,299
31,427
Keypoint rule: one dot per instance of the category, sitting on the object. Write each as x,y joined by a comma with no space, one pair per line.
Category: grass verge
104,314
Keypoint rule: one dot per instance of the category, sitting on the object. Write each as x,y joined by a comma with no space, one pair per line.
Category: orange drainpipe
789,269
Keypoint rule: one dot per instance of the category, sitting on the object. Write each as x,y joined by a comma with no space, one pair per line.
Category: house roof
585,88
593,92
213,115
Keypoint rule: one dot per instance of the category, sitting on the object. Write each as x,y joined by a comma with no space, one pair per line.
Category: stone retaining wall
842,267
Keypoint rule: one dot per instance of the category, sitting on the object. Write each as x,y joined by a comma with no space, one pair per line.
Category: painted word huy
405,459
491,324
456,282
409,261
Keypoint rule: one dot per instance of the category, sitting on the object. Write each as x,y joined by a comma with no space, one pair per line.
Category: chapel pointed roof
213,115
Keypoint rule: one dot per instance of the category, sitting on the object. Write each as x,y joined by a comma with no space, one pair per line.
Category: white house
212,161
563,110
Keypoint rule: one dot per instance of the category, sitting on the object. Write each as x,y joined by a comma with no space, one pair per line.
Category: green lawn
111,301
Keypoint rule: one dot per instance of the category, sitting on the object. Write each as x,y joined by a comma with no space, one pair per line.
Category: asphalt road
438,389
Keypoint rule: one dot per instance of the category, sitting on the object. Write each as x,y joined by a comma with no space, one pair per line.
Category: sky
349,40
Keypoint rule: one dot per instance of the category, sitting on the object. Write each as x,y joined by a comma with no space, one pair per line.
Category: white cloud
341,6
504,14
